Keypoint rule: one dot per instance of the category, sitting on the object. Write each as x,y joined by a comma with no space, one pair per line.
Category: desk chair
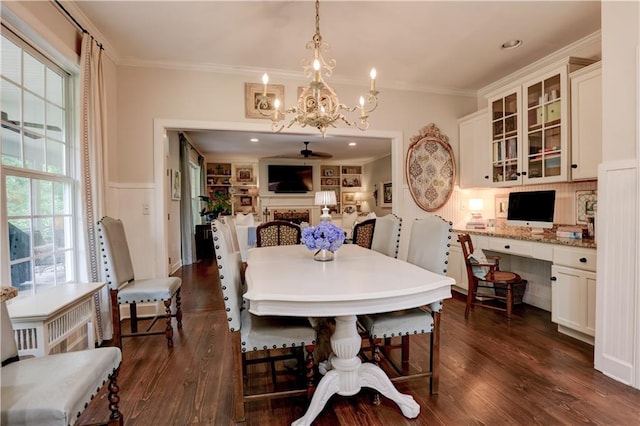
428,248
363,233
483,273
278,233
253,333
125,289
54,389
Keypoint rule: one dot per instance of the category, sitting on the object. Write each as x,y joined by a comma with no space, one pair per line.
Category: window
37,185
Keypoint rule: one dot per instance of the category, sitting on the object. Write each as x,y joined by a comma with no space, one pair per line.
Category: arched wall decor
430,168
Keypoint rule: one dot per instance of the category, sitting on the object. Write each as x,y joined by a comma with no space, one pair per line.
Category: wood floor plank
492,372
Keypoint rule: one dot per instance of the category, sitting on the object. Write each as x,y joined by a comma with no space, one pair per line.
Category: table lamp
476,205
325,198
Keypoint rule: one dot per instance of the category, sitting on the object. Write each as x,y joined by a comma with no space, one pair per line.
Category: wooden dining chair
363,233
278,233
487,283
53,390
259,334
429,245
125,289
386,238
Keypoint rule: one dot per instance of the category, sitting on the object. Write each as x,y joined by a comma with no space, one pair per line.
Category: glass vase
323,255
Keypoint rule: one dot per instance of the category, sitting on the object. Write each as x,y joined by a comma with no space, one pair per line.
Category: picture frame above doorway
254,96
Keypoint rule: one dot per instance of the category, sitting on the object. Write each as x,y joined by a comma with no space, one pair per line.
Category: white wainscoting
617,329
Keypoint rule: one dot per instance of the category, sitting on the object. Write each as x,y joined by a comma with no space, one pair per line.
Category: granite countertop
518,233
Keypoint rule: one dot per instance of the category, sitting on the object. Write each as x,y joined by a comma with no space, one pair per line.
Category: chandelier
318,104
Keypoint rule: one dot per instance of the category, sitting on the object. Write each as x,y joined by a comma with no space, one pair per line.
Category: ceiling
450,47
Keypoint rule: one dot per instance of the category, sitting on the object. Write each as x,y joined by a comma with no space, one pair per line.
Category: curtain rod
77,24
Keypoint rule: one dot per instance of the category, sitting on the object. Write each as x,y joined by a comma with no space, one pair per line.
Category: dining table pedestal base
349,375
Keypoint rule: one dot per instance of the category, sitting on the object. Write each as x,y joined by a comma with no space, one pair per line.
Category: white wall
617,342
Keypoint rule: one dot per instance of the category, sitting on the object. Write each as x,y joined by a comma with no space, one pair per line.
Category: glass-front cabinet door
545,127
505,139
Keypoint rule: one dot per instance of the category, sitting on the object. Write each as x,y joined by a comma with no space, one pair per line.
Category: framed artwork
586,205
254,98
386,195
244,174
245,200
430,168
349,198
175,184
502,206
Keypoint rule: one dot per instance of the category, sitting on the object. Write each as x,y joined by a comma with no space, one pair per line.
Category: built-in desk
561,273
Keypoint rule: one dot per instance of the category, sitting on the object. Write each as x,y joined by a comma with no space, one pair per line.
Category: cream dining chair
428,248
55,389
126,289
252,333
386,238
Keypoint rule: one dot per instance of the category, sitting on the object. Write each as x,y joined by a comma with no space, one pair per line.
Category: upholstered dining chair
386,238
278,233
363,233
429,245
54,389
486,280
252,333
125,289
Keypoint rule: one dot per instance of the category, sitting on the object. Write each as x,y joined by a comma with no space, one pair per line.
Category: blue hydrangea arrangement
324,236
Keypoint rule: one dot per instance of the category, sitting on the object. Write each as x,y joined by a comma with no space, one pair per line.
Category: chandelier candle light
318,104
326,238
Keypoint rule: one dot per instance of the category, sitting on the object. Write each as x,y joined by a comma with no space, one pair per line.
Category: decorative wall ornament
430,168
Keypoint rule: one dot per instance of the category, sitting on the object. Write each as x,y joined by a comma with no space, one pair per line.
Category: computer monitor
532,208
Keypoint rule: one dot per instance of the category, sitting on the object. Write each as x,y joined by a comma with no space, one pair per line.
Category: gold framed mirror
430,168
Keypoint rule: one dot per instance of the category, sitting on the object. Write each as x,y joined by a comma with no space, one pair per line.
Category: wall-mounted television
290,178
531,208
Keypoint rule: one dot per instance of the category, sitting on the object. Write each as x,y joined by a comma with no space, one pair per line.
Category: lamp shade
325,198
476,204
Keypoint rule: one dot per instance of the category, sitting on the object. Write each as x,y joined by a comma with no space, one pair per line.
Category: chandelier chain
318,104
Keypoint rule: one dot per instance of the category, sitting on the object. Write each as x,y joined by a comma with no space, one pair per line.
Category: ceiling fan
307,153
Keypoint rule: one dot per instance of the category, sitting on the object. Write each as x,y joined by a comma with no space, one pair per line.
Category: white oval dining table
285,280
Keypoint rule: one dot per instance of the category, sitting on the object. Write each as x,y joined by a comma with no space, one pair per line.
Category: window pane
11,152
55,122
62,232
55,157
55,88
10,102
18,198
21,276
11,64
33,74
34,152
61,198
42,198
33,113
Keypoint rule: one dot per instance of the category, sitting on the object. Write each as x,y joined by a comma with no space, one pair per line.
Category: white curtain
92,147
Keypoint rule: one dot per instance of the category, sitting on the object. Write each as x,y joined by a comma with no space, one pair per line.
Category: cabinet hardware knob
583,259
574,166
553,278
507,246
486,177
518,173
524,173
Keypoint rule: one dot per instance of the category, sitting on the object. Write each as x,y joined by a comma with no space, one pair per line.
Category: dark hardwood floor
491,373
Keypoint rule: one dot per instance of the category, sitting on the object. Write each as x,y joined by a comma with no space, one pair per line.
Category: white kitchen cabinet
586,122
456,267
573,292
474,170
530,127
